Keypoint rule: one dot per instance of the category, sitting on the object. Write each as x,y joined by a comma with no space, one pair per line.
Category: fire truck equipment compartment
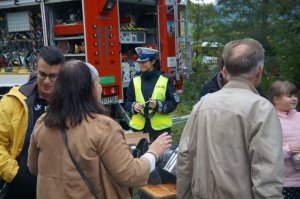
68,29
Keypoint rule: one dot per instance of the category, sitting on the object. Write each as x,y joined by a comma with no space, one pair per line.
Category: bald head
239,51
243,57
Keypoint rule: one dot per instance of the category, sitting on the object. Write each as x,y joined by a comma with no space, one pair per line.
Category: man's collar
28,88
238,82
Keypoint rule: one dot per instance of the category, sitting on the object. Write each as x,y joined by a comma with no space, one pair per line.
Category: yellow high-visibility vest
158,121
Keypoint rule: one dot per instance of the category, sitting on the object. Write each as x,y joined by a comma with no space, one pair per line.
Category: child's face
286,103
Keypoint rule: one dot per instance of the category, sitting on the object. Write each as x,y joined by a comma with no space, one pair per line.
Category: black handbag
64,134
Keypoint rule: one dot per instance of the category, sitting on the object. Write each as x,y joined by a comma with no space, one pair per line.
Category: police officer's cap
145,54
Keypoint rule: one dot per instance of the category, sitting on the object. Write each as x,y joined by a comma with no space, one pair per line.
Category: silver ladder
183,40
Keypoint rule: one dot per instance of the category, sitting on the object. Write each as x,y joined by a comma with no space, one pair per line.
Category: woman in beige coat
95,140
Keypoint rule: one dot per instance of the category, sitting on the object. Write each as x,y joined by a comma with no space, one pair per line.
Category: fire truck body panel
102,46
101,32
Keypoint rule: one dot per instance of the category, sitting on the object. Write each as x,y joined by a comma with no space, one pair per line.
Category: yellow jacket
14,124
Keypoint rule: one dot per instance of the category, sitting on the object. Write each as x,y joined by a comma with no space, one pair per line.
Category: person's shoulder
297,114
210,85
210,98
39,126
104,120
262,105
166,76
14,90
260,99
105,126
29,88
252,98
240,99
40,120
13,93
199,105
138,73
213,79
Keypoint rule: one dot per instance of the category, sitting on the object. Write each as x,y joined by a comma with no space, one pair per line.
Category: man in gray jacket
231,144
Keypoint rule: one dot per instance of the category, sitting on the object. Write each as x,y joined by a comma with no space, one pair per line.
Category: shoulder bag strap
64,134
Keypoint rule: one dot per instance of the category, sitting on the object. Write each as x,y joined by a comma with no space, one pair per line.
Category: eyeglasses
43,76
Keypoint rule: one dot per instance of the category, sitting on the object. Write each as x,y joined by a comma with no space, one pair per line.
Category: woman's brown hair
73,98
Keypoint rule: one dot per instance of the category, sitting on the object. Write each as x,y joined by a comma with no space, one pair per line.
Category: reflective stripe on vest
158,121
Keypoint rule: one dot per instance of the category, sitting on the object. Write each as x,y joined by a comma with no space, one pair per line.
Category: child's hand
295,148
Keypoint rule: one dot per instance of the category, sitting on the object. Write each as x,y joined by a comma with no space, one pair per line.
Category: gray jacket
231,147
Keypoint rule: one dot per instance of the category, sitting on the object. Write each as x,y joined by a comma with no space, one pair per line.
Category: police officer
151,96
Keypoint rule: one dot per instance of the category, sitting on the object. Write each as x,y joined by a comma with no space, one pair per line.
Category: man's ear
258,75
224,73
259,72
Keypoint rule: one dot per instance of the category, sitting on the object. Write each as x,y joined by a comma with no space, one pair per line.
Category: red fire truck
101,32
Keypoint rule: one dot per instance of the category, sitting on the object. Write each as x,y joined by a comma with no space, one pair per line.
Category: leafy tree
286,39
275,24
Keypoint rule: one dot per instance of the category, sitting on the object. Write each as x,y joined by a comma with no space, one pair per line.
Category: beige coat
102,153
231,147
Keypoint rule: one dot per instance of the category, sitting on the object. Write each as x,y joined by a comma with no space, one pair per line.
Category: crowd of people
57,139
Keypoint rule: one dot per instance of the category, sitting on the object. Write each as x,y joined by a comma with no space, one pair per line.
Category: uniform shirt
40,106
149,80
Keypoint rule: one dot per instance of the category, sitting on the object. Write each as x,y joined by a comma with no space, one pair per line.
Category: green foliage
191,91
275,24
286,39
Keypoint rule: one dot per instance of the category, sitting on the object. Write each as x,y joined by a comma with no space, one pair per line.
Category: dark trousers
23,186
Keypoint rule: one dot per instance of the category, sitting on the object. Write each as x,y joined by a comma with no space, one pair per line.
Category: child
283,97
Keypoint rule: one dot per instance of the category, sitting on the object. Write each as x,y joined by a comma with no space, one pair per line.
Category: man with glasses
19,110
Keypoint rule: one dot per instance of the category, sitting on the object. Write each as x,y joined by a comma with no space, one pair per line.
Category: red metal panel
163,35
102,39
167,40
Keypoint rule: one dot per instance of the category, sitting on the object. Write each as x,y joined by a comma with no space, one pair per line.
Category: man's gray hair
243,57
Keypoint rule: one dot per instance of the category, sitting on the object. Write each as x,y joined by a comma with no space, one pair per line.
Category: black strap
147,115
64,134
